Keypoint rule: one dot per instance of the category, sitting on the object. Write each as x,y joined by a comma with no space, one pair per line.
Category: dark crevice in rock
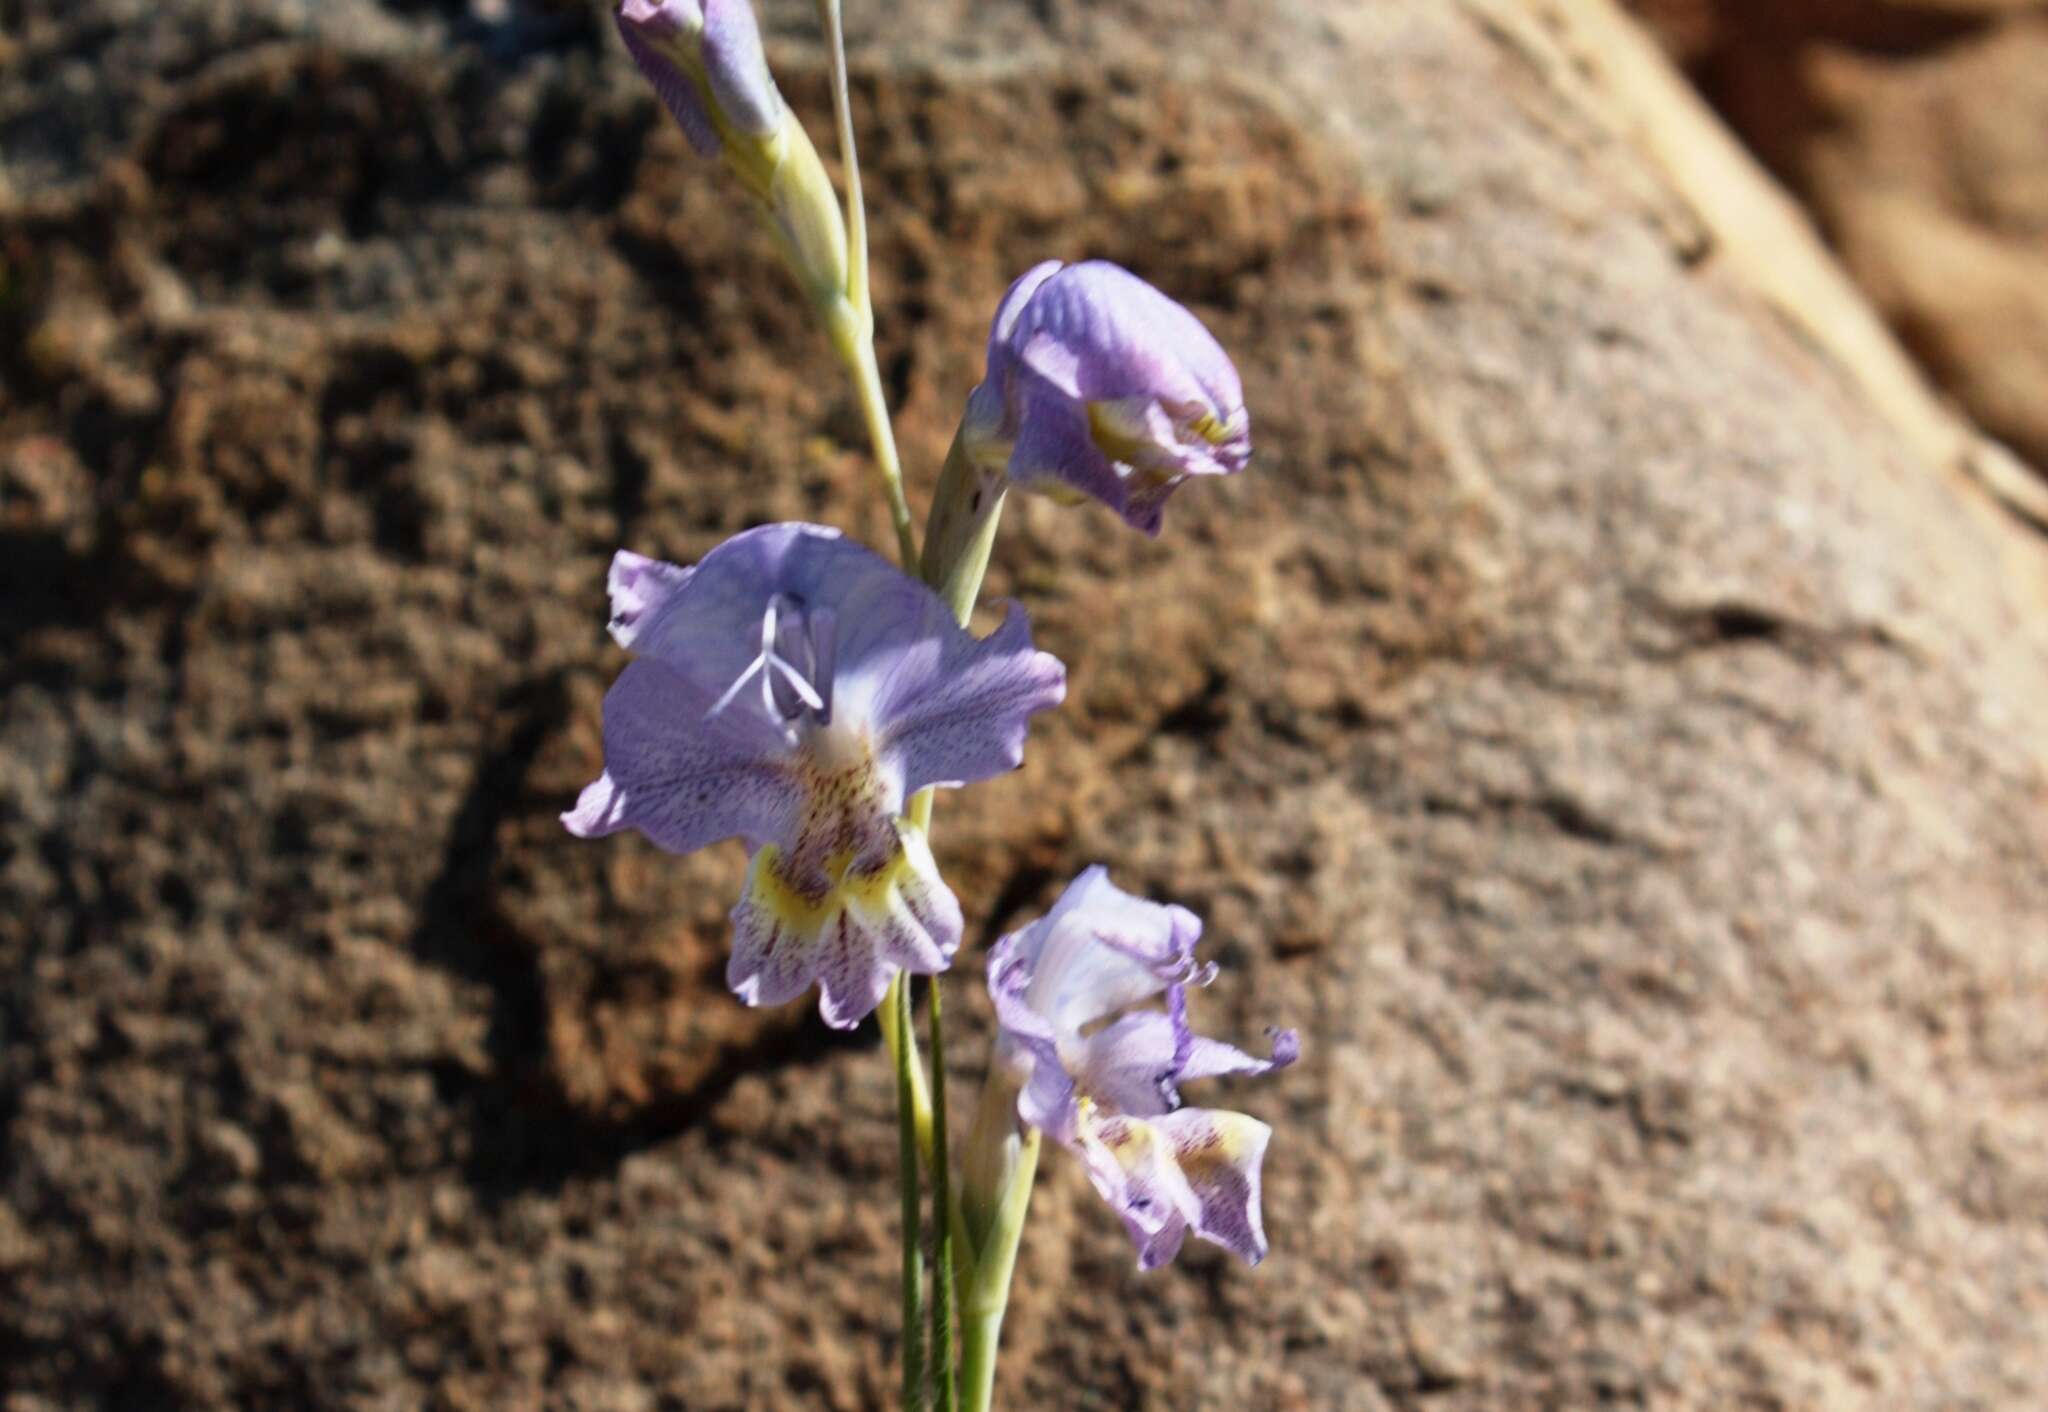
1203,715
448,933
527,1136
1025,883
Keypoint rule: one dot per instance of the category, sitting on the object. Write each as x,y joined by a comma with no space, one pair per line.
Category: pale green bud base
988,1289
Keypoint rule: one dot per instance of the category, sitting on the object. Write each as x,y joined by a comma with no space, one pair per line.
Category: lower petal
851,941
1219,1154
1132,1166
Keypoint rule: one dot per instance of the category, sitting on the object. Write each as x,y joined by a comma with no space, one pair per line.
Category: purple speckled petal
639,588
954,709
1129,1064
681,777
851,943
1054,453
1132,1167
1212,1058
652,29
1219,1154
1048,1100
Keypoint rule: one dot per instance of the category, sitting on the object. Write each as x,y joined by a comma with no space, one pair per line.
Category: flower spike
1101,387
792,690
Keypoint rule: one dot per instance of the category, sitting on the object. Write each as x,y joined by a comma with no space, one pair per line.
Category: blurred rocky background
1916,131
1611,718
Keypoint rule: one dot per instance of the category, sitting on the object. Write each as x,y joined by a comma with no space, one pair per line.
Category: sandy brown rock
1612,739
1918,133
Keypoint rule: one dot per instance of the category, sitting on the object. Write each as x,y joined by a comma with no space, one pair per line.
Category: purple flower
1103,1079
1098,385
791,690
705,61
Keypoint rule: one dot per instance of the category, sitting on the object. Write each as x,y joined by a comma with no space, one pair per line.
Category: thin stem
898,1000
856,349
988,1294
894,1030
852,324
921,1111
943,1220
856,206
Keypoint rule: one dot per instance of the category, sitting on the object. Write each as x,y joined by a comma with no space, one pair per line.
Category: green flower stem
988,1292
943,1220
921,1114
893,1036
957,575
856,348
959,537
897,1001
851,321
856,204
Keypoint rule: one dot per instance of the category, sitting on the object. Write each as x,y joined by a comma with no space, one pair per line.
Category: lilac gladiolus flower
791,690
704,58
1100,386
1110,1091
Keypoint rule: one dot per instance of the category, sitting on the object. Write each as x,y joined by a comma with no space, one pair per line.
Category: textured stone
1598,721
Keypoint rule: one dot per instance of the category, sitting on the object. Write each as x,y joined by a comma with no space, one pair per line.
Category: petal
955,709
1132,1166
1101,949
1219,1155
709,625
639,587
1048,1100
1010,964
1011,308
1128,1065
1136,1063
1212,1058
655,31
738,70
684,778
1100,333
851,941
1054,452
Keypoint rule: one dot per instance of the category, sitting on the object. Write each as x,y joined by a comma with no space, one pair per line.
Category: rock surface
1917,130
1618,745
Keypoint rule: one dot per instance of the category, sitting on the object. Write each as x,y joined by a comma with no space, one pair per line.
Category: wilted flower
705,60
1098,385
791,690
1103,1079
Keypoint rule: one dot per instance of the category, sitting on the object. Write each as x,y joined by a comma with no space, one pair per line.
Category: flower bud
1099,386
995,1144
706,63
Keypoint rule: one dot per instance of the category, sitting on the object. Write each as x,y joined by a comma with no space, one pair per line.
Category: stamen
734,690
798,652
797,684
